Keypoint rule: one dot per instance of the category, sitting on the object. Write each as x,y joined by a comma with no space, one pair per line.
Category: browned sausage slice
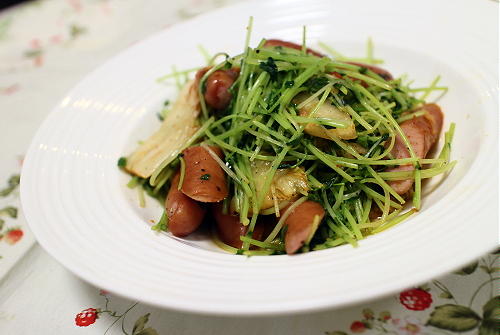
184,214
381,72
300,225
217,94
435,117
386,75
229,228
423,133
291,45
204,179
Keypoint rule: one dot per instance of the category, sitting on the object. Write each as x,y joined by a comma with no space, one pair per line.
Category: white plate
77,204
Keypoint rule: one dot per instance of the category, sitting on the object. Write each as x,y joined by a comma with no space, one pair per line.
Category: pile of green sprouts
263,123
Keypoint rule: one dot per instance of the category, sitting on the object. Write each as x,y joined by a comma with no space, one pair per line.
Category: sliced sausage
291,45
204,179
381,72
229,228
217,94
300,225
435,117
423,133
184,214
386,75
200,73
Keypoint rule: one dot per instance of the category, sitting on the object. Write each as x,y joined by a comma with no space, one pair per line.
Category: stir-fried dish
285,150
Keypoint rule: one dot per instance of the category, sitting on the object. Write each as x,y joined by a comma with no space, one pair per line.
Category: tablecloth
46,47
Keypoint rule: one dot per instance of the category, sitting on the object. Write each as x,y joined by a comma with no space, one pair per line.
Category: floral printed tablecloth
45,49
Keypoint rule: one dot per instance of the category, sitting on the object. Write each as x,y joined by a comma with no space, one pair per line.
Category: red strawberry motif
12,236
86,317
415,299
358,327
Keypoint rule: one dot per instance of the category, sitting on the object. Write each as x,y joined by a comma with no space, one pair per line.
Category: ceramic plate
81,212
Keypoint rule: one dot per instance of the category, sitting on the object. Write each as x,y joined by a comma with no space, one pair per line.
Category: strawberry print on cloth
88,316
416,299
15,237
10,234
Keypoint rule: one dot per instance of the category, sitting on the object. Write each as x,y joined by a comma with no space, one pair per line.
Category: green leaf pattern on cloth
9,234
467,270
454,317
491,317
148,331
140,323
12,185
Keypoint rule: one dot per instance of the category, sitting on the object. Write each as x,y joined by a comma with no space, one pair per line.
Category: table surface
46,47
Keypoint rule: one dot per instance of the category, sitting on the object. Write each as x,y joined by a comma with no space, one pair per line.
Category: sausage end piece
184,214
204,180
422,132
301,225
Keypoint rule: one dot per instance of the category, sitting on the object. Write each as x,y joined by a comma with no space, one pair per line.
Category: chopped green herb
363,70
163,114
316,83
206,176
285,166
363,140
122,161
270,67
